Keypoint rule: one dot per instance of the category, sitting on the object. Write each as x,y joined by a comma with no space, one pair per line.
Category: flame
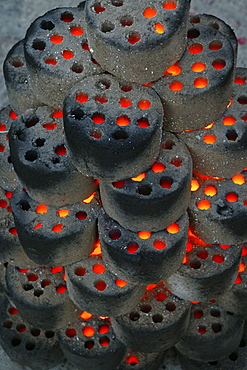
90,198
139,177
97,249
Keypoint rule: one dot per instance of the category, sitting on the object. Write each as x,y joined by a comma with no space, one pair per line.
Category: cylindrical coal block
220,150
213,333
237,360
11,250
95,289
137,41
57,54
119,124
143,257
8,178
41,161
164,189
41,296
20,94
92,344
156,323
197,90
26,344
235,299
203,266
54,235
218,211
142,361
218,24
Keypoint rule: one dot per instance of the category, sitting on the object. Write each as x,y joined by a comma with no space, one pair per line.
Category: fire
90,198
139,177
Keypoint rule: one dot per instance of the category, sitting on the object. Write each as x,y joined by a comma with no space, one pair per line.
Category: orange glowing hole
98,8
70,333
232,197
98,269
3,127
133,38
144,104
132,247
166,183
219,64
176,162
239,80
60,150
228,121
57,114
139,177
244,118
215,45
209,139
173,70
56,39
13,311
56,269
241,267
120,283
202,255
81,215
41,209
80,271
150,286
62,212
57,228
173,228
82,98
104,342
238,280
50,126
125,102
201,329
143,122
159,244
101,99
103,329
160,296
218,258
86,315
13,115
159,28
68,54
131,360
204,205
88,331
149,13
198,67
169,5
245,203
100,285
61,289
98,118
2,148
9,194
194,185
123,121
158,167
239,179
119,184
144,234
51,61
195,48
198,314
200,82
210,191
22,270
77,31
3,203
32,277
176,86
